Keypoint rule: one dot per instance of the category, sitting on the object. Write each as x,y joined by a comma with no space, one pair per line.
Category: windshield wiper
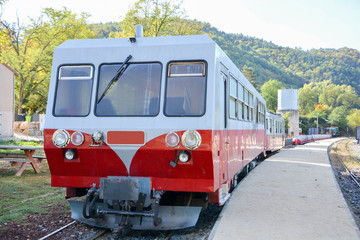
118,74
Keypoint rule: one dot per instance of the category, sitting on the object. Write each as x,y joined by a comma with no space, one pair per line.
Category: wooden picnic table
16,159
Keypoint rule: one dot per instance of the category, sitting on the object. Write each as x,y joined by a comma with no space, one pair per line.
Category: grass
23,143
27,194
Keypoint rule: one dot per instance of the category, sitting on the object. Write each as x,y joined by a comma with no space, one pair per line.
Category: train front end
127,132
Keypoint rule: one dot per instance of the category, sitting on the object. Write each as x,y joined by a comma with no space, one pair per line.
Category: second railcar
275,132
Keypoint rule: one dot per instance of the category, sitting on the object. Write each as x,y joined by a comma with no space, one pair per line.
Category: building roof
8,67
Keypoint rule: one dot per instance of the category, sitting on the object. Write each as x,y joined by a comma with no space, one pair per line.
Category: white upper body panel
162,50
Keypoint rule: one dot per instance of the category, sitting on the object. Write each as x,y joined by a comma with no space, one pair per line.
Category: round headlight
183,157
191,139
61,138
69,154
77,138
172,139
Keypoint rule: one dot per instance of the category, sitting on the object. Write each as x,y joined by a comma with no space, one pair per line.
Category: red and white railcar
149,129
302,139
275,132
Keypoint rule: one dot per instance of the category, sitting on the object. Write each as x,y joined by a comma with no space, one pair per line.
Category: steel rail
353,177
58,230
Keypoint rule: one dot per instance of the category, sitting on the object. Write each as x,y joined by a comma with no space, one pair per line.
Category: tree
327,94
269,91
338,117
354,118
250,74
308,97
28,50
286,117
158,18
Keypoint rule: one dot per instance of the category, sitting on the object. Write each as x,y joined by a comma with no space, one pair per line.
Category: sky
305,24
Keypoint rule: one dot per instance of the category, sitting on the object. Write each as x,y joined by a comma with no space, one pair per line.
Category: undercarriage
129,203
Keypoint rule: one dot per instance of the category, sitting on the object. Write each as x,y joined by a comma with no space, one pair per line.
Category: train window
246,97
246,112
186,69
262,113
240,101
267,124
75,72
73,91
136,93
251,107
233,98
240,110
240,92
185,89
233,87
232,107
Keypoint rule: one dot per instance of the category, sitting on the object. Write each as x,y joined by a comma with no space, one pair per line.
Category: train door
225,144
226,138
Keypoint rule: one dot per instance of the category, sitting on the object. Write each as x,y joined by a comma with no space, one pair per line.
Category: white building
7,98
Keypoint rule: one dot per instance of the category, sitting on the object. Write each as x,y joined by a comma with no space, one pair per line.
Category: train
144,132
302,139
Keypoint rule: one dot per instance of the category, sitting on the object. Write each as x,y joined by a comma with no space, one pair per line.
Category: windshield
137,92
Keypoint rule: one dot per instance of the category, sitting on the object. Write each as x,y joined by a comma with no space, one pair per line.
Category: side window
260,113
185,92
267,124
251,107
246,110
241,101
73,90
233,98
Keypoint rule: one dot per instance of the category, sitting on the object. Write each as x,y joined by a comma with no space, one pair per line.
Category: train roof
140,41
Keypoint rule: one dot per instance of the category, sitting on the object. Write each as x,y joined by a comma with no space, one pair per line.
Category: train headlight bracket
97,139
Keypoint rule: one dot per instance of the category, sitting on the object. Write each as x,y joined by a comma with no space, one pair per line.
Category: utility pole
317,122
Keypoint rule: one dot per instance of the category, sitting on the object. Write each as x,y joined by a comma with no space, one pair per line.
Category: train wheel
244,172
252,164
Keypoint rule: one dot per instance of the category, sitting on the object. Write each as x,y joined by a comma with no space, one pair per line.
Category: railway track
344,160
348,162
97,234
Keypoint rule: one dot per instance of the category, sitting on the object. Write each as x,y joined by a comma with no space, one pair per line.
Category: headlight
191,139
172,139
69,154
184,157
77,138
61,138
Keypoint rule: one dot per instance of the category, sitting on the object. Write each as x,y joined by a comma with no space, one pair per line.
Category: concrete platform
291,195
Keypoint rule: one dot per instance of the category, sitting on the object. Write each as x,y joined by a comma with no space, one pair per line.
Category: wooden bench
22,160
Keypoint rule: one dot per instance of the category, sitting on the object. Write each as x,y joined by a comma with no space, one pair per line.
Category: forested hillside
292,67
